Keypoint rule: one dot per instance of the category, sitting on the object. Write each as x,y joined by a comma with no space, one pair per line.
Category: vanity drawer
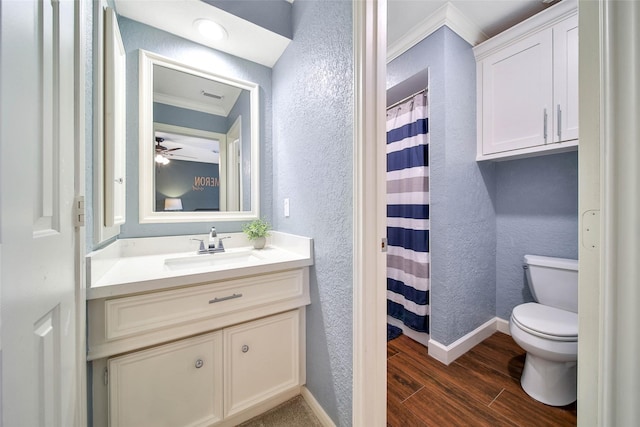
148,312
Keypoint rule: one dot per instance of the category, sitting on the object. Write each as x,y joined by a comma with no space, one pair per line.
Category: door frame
369,219
81,8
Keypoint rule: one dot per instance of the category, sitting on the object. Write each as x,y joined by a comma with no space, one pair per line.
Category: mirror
198,144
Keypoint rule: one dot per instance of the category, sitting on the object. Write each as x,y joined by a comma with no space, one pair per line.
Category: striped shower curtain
408,213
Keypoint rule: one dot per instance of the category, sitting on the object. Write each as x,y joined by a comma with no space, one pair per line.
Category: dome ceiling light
209,29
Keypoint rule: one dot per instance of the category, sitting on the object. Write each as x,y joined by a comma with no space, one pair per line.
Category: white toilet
548,330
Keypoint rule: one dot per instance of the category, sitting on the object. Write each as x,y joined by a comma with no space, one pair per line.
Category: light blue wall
177,116
536,213
462,215
313,166
137,36
484,216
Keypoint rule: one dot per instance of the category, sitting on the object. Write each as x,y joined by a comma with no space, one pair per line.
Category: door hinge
106,376
78,211
383,245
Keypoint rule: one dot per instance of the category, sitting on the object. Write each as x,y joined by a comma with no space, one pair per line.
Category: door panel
39,357
517,84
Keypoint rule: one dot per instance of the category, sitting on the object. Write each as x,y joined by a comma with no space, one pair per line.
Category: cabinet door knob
245,348
199,363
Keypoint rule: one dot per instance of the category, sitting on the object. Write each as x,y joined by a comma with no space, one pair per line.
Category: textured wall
484,216
536,213
313,166
463,232
137,36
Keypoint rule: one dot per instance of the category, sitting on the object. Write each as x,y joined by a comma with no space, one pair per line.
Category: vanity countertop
130,266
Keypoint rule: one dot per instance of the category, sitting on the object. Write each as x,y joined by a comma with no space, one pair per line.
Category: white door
176,384
39,356
517,85
261,359
565,79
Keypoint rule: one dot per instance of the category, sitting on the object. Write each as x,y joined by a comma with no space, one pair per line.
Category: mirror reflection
197,152
199,144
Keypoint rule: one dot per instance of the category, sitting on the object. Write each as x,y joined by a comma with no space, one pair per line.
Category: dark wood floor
481,388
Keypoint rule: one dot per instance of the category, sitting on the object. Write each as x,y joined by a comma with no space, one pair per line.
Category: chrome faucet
213,239
214,244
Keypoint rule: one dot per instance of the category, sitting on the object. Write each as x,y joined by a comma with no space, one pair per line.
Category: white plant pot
258,243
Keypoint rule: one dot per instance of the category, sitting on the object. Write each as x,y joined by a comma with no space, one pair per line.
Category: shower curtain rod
425,90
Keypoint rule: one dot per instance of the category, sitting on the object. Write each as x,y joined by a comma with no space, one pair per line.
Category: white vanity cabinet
177,384
214,353
262,359
527,86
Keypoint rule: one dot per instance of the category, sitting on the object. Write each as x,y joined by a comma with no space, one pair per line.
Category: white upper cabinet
565,79
527,87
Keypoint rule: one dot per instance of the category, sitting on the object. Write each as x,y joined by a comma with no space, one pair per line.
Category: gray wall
536,213
484,216
137,36
313,156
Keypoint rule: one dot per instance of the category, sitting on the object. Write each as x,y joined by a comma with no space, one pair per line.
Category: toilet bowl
548,330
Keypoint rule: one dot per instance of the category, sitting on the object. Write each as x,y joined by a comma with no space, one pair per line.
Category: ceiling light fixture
161,159
209,29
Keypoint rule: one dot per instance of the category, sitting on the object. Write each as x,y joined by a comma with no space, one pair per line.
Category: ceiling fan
162,152
161,148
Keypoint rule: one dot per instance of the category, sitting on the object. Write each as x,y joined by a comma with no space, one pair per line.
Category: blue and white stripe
408,213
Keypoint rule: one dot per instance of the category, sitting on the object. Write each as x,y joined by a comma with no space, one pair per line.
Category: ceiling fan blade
173,149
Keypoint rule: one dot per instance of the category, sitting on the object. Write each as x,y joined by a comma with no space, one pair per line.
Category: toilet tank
553,281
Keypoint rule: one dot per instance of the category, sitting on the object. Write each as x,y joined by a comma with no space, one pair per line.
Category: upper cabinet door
565,58
528,87
115,132
517,95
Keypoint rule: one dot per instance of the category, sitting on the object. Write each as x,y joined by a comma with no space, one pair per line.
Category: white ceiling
490,16
184,90
245,39
252,42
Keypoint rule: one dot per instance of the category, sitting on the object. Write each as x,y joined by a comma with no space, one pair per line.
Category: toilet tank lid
546,261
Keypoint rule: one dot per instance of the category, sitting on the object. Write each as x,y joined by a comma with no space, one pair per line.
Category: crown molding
447,15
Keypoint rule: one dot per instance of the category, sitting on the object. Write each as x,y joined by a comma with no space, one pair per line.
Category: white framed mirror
198,144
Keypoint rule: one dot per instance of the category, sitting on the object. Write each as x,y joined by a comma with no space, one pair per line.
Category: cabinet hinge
106,376
78,211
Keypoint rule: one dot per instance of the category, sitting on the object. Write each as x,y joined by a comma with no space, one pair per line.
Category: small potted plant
257,231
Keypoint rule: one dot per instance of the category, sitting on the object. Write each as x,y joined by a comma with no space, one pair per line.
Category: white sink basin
221,259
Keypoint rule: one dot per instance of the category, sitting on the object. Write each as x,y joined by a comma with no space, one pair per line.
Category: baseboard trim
421,337
317,409
502,326
448,353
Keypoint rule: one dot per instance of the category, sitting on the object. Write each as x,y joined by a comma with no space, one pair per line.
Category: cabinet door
262,359
517,95
565,58
177,384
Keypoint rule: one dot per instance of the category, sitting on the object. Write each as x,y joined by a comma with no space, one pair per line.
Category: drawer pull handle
199,363
212,301
245,348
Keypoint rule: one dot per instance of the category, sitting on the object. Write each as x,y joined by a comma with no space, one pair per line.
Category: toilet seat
546,322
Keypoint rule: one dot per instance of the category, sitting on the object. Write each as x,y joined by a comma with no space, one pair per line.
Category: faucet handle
202,248
220,244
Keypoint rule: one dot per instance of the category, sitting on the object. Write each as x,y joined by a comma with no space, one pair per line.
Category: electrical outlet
286,208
